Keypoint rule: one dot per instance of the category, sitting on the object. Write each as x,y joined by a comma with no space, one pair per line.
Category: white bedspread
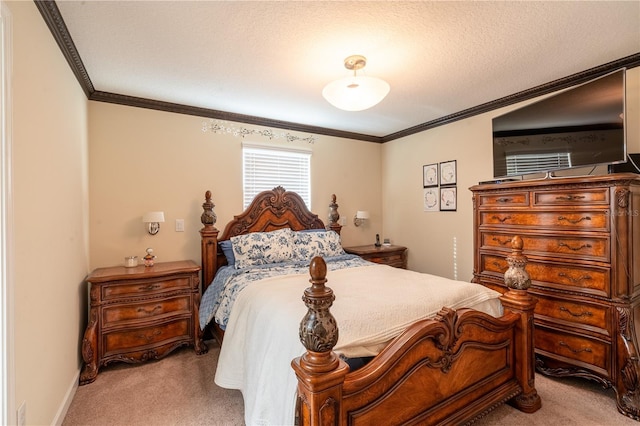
373,305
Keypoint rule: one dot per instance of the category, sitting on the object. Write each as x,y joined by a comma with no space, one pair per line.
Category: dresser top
610,179
114,273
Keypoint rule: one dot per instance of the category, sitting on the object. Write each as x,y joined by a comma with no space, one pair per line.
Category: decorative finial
516,277
318,328
208,217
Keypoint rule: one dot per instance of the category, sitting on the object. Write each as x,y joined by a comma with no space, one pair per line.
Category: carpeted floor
179,390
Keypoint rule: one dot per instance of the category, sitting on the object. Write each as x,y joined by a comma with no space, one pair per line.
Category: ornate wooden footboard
447,370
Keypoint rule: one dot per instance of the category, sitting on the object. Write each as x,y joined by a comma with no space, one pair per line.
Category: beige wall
50,218
144,160
430,235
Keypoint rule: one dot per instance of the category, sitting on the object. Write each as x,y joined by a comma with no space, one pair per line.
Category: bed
445,358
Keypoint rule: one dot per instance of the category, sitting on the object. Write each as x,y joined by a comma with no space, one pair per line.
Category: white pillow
307,245
261,248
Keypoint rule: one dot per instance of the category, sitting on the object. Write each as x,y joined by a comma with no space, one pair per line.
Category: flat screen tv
581,126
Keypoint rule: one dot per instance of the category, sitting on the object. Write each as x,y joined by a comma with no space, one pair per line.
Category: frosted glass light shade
362,214
356,93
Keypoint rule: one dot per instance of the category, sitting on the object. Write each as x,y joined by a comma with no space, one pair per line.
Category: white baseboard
66,402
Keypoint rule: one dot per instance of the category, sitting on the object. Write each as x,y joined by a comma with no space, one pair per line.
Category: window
264,168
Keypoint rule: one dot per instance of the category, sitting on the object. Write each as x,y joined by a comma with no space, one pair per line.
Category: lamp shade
356,93
362,214
153,217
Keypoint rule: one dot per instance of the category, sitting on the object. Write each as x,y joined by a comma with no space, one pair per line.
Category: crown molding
51,15
630,61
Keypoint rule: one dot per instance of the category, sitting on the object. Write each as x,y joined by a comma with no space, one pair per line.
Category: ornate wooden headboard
269,210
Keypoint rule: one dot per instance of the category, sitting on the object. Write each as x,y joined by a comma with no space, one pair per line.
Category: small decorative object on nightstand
387,255
149,258
141,313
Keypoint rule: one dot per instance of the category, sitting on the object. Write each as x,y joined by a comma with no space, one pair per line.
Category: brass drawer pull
501,219
570,197
504,200
573,221
149,287
575,351
574,248
581,314
575,280
150,311
149,338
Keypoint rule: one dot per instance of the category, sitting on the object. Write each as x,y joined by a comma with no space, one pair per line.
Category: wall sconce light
360,217
153,219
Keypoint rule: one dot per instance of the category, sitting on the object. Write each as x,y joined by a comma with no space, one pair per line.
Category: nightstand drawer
144,288
117,314
391,255
396,260
138,338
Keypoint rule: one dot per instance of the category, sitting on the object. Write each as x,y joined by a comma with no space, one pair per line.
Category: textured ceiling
272,59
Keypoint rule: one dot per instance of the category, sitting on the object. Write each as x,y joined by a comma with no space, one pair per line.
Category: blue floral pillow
261,248
310,244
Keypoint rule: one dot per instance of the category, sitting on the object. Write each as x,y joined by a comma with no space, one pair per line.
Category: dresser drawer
584,248
117,314
571,277
504,199
143,288
574,313
593,220
579,350
137,338
597,196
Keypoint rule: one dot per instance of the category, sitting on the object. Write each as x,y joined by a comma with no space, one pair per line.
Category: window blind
265,168
522,164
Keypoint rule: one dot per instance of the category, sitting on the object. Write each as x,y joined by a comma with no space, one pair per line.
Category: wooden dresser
141,313
582,238
387,255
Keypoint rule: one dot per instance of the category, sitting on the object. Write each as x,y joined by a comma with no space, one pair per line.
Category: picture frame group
439,186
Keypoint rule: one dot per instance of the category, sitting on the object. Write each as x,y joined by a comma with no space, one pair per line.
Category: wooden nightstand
141,313
386,255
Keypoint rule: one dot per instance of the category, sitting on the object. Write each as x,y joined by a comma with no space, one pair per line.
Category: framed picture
430,175
448,172
448,198
431,199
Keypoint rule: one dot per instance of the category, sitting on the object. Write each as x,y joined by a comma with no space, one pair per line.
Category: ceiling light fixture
355,93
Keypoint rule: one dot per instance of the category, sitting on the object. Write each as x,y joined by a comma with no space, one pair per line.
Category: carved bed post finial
208,217
334,216
208,241
318,328
516,277
320,372
518,300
